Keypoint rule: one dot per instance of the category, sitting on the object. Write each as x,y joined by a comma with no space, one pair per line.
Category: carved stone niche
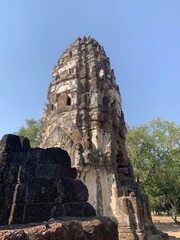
105,103
63,100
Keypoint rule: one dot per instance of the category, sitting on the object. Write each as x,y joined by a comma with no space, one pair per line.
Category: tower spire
84,116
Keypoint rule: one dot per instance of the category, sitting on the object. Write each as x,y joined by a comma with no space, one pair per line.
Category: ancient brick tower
84,117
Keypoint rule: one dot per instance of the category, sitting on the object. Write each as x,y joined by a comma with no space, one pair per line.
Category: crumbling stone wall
38,184
84,116
66,228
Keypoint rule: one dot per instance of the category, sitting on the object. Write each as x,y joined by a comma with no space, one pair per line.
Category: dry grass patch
167,225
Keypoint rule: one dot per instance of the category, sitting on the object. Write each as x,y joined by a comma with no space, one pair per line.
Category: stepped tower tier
84,116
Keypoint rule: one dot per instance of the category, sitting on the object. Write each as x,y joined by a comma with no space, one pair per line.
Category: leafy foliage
32,131
154,149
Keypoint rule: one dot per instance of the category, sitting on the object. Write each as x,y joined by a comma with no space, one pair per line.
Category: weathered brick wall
38,184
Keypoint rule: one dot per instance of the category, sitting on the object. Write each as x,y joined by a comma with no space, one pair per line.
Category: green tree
32,131
154,149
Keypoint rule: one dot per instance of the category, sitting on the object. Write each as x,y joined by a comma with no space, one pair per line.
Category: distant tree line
154,149
31,130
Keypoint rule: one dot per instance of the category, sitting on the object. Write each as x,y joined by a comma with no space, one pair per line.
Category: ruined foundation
38,184
42,199
84,116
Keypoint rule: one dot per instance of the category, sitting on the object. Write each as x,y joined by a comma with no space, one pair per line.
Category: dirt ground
166,224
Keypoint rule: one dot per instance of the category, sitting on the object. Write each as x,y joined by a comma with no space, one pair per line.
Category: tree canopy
154,149
32,131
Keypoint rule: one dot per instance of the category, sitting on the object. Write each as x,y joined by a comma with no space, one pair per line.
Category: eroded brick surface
38,184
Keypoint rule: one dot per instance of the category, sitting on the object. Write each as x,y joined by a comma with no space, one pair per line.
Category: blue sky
142,39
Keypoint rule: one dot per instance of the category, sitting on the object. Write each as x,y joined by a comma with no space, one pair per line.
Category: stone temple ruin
83,125
84,116
38,186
